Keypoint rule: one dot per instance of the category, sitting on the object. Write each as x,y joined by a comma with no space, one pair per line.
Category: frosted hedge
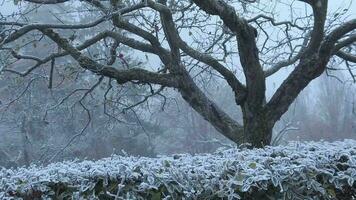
314,170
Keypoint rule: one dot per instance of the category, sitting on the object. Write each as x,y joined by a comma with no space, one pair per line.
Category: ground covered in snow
313,170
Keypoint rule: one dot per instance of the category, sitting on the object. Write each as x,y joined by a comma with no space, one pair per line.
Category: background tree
307,44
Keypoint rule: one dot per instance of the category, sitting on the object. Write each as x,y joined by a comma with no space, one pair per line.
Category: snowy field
314,170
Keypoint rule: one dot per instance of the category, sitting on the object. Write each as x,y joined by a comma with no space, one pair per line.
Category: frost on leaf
320,170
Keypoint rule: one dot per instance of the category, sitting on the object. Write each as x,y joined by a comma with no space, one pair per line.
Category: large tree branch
176,40
346,56
301,76
210,111
169,29
122,76
345,42
25,28
331,46
340,32
248,52
342,54
308,69
317,35
116,36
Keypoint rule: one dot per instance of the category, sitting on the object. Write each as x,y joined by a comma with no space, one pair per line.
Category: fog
41,125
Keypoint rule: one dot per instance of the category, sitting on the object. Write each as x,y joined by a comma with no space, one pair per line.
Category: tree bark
257,127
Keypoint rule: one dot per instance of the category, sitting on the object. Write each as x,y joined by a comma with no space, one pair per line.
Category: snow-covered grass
313,170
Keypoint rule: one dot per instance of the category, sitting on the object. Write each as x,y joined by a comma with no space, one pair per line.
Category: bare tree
159,28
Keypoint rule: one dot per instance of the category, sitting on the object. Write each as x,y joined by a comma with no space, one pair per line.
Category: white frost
222,173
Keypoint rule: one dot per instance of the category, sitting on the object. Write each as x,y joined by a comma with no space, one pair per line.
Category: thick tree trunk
257,128
257,134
